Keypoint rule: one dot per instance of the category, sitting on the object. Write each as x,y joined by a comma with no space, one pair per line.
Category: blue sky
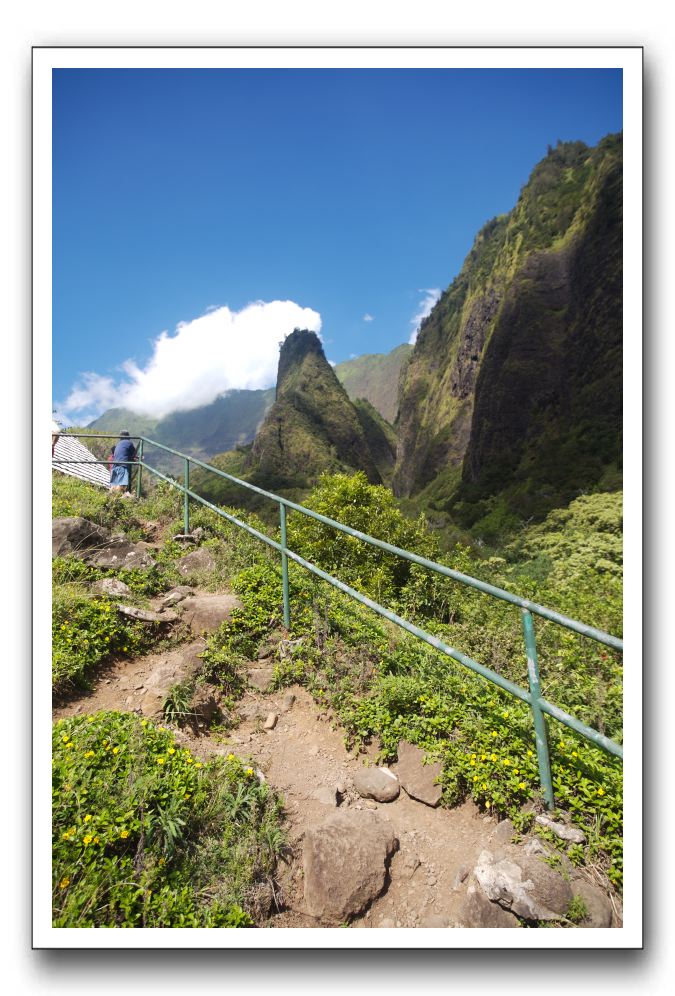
352,194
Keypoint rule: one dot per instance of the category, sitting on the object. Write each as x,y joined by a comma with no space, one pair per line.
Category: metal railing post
138,472
540,731
284,566
186,497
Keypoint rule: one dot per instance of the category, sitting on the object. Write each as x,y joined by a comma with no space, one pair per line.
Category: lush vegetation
146,835
384,685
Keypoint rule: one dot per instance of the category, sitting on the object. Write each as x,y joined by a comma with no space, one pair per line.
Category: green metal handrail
539,705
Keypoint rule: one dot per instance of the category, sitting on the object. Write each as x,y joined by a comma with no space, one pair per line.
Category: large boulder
417,778
376,783
345,865
73,536
523,884
205,613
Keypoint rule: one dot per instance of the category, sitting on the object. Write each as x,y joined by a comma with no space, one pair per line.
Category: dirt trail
303,755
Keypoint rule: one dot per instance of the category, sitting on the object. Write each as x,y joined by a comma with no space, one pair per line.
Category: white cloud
431,295
219,351
368,318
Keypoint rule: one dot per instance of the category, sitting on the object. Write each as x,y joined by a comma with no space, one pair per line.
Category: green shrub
370,509
146,835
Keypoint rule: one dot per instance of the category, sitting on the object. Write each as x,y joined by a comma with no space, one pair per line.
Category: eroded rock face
205,613
418,779
376,783
345,865
523,884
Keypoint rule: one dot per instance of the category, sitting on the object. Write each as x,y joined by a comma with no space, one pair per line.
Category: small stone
376,783
138,688
371,806
287,702
325,795
341,788
598,905
111,586
460,876
571,834
431,880
271,721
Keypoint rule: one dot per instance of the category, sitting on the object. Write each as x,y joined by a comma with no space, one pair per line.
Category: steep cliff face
312,426
514,385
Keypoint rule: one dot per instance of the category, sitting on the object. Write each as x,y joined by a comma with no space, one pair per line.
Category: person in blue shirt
120,474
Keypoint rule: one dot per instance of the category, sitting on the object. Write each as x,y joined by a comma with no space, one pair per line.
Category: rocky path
352,857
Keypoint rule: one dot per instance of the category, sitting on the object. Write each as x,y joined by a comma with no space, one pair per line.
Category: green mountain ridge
312,427
510,404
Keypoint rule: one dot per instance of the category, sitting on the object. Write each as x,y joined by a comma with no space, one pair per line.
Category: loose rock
418,779
345,865
196,562
502,833
287,702
376,783
523,884
325,795
176,595
561,830
111,586
271,721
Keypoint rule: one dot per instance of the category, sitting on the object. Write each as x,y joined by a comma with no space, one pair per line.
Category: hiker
121,474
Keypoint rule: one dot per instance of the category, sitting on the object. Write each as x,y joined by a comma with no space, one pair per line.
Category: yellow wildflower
160,760
171,750
89,753
472,761
187,795
493,757
188,760
601,791
529,753
505,715
64,883
249,771
87,840
124,834
65,738
475,778
506,761
483,757
521,785
230,757
96,840
87,818
574,754
198,764
116,750
483,786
